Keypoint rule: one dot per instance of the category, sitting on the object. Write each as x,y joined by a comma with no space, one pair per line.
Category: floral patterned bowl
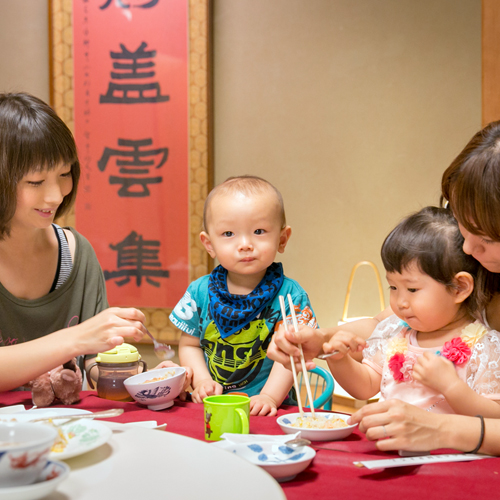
53,474
24,452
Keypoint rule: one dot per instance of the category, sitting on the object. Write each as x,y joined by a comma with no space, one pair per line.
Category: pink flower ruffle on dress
456,350
407,367
395,364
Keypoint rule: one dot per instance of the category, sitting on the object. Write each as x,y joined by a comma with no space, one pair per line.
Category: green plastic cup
226,413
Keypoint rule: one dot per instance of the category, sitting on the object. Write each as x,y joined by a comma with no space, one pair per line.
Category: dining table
333,472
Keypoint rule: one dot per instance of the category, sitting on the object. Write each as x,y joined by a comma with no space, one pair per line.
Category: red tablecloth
332,474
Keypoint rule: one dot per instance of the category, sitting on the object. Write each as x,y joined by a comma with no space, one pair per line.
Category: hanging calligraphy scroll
138,105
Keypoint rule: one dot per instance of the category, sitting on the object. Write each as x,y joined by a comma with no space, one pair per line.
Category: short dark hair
249,185
471,183
430,238
32,138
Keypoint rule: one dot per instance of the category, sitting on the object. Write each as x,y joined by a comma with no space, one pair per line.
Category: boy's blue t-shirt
238,362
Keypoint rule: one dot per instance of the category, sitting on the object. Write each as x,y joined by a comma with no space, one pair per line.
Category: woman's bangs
46,152
472,204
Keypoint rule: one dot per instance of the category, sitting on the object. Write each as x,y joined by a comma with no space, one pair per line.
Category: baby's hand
207,387
263,405
343,342
187,381
435,372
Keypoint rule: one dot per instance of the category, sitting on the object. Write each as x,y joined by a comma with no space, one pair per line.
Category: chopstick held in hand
292,362
302,361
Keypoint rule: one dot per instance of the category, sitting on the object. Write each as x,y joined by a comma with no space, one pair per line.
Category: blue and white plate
279,460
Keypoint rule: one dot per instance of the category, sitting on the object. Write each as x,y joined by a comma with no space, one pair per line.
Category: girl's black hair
431,239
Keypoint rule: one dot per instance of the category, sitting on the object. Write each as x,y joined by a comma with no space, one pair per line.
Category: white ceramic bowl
24,452
53,473
286,421
160,394
279,460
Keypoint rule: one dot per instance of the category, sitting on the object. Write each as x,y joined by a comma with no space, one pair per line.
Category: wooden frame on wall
490,55
200,129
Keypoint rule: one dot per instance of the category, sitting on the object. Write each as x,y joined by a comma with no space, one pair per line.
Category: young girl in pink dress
434,352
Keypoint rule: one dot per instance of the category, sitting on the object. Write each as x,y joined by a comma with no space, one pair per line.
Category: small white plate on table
83,435
12,409
53,473
286,421
24,415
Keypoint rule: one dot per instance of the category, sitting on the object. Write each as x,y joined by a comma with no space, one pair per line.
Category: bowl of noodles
157,389
325,427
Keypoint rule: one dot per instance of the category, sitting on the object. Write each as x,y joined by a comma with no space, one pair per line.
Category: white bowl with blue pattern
286,423
160,394
279,460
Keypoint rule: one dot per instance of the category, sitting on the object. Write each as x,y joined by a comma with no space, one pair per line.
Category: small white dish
286,421
279,460
83,435
12,409
53,473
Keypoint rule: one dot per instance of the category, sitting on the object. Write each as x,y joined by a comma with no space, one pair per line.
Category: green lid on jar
124,353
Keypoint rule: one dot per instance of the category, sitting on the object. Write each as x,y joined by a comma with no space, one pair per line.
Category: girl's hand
187,381
435,372
207,387
343,342
262,404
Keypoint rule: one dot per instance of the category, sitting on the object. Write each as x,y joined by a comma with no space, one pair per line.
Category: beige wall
353,109
24,47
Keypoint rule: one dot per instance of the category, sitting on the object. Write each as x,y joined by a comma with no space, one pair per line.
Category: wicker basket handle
351,279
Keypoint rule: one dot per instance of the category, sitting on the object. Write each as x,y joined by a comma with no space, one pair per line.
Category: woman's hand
107,330
396,425
285,344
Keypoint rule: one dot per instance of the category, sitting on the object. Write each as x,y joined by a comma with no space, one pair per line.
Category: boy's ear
285,234
205,241
464,285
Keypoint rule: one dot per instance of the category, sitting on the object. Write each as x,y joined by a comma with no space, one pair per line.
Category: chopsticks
371,339
302,360
292,362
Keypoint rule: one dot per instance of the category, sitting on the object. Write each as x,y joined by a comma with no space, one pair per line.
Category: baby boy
228,317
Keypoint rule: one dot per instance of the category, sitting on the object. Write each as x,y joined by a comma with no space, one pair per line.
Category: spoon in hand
162,351
324,356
